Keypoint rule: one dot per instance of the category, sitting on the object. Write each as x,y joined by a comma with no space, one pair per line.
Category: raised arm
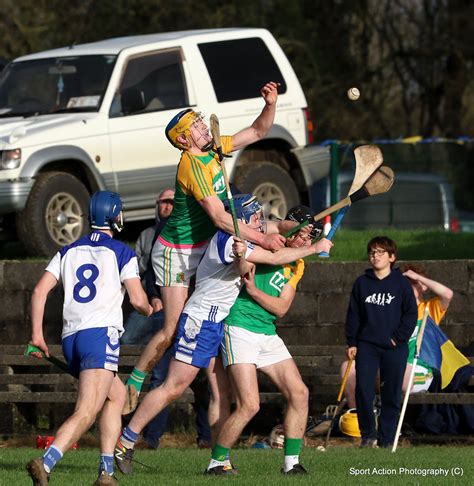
288,255
262,124
444,293
38,301
223,220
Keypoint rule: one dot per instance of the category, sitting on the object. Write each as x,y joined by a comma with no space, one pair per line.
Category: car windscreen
62,84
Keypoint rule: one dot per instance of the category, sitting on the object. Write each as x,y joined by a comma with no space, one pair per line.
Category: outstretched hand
270,92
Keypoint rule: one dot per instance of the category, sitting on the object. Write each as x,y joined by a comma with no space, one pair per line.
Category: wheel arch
68,159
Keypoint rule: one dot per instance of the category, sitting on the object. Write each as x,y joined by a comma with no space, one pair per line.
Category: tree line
411,59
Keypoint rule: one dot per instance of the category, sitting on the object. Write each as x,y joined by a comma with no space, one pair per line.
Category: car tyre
55,214
273,186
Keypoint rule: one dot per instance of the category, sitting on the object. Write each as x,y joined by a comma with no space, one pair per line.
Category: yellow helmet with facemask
180,125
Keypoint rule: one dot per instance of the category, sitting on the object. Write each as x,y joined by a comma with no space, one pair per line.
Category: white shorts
242,346
174,267
422,379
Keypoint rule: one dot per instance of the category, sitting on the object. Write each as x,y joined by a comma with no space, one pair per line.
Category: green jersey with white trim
271,279
197,178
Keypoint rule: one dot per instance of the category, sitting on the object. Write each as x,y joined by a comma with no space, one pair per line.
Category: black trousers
391,363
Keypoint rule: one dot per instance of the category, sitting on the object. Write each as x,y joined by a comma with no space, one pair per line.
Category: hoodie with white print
381,310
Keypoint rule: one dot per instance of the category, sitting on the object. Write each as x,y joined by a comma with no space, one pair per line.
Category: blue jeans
139,330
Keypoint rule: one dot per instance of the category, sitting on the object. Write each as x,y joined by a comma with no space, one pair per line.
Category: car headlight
11,159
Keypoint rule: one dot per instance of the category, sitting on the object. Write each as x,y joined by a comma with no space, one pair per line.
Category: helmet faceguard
246,206
304,214
105,211
190,125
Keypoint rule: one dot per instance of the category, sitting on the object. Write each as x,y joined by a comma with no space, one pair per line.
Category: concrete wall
316,317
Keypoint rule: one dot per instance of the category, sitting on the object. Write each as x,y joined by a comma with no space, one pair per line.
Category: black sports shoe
296,469
37,472
221,471
123,458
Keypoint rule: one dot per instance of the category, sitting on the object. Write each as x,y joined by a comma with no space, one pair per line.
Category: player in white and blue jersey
201,328
94,271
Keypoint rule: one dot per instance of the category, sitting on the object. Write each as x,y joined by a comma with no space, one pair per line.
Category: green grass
259,467
351,245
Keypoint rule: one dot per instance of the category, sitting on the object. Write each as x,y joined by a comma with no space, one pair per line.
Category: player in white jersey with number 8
94,271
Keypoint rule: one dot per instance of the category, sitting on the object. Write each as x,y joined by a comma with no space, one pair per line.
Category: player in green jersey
251,342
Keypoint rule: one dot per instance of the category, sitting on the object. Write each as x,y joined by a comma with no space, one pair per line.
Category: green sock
219,453
293,446
136,379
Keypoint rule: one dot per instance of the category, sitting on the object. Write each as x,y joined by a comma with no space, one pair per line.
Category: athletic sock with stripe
136,379
106,464
51,457
128,437
219,456
292,449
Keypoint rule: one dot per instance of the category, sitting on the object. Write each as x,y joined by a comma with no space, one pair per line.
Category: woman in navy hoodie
381,317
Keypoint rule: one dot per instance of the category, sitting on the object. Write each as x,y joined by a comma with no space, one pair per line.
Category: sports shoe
131,400
123,458
37,472
296,469
105,479
369,444
221,470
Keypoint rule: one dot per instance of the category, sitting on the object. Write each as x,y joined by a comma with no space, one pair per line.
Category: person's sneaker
37,472
204,444
369,444
221,470
123,458
296,469
131,400
105,479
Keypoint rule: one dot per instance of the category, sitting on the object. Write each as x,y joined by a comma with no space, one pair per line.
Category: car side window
240,67
151,82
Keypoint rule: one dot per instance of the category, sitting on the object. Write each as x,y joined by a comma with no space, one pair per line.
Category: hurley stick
216,135
340,403
419,341
55,361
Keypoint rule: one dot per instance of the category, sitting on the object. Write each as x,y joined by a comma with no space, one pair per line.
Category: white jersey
217,283
92,270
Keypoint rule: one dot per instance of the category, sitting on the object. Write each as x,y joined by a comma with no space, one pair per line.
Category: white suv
88,117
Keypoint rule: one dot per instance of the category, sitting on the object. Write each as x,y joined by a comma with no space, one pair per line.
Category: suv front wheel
55,214
273,186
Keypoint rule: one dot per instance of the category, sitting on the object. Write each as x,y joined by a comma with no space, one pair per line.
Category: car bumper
314,161
13,195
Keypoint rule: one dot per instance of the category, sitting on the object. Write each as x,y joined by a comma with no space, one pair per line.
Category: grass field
412,245
339,465
351,245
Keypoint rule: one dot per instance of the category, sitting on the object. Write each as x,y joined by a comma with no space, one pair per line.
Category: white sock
214,463
290,461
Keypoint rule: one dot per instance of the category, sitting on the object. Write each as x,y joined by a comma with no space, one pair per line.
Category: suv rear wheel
55,214
273,186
